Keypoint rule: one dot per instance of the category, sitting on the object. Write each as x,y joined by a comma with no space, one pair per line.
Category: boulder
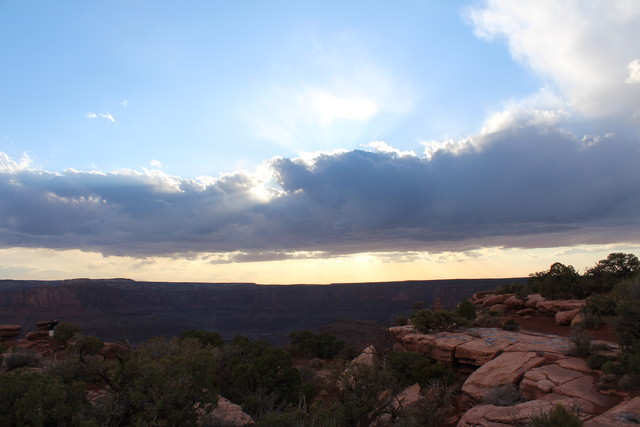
8,332
496,299
579,318
526,312
554,306
229,414
507,368
480,297
533,300
369,357
515,301
37,335
626,413
566,317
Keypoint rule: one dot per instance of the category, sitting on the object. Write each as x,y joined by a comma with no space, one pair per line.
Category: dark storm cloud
530,186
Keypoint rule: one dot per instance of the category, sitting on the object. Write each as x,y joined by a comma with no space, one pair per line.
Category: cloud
634,72
584,49
124,102
106,116
526,183
155,163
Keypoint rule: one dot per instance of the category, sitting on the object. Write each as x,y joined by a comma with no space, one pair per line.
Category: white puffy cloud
634,72
584,48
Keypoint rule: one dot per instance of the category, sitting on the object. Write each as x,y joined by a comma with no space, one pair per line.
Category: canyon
119,309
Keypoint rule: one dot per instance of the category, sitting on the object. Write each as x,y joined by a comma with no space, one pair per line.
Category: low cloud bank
525,184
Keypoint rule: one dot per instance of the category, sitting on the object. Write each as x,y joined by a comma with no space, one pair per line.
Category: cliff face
117,308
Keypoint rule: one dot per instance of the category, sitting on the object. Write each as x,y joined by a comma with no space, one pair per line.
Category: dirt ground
546,325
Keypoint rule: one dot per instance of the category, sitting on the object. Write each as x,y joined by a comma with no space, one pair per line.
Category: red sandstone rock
583,388
526,312
555,306
495,416
514,300
533,300
508,368
479,297
578,319
499,308
566,317
8,332
229,414
37,335
626,413
574,363
496,299
369,357
542,380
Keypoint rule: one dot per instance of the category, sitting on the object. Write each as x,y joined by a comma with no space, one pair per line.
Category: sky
317,142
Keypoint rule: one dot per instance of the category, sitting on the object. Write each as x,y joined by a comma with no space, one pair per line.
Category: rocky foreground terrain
114,309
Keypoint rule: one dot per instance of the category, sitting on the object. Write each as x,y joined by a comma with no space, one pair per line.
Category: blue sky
281,141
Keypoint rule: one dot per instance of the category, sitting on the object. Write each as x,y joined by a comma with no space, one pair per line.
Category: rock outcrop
537,364
625,414
9,332
229,414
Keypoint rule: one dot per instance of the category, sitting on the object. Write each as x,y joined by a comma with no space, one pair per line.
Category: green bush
400,320
323,345
503,395
466,309
560,282
595,361
440,320
206,338
63,333
613,368
406,366
20,358
581,343
559,416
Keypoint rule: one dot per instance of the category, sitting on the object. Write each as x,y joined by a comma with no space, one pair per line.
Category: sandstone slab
583,388
496,299
625,414
533,300
507,368
368,357
515,301
496,416
542,380
9,331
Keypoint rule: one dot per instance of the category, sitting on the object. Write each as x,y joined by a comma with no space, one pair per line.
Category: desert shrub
600,305
400,320
323,345
503,395
206,338
559,416
466,309
613,368
63,333
592,321
432,409
20,358
595,361
560,282
581,343
406,366
438,372
487,320
33,399
440,320
520,289
511,325
627,320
